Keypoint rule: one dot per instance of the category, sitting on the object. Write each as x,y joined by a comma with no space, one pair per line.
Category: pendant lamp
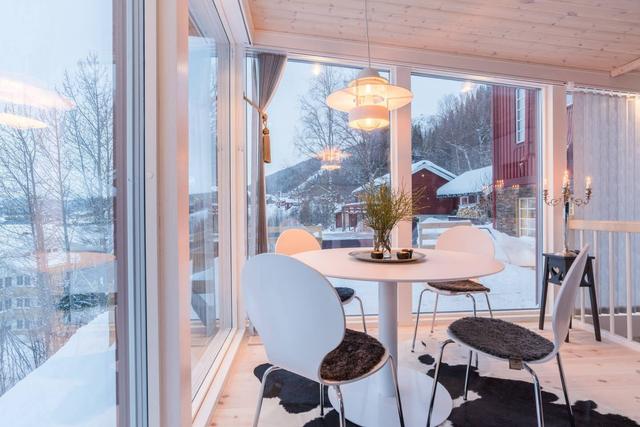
370,97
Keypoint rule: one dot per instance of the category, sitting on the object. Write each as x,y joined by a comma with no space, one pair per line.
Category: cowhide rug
492,402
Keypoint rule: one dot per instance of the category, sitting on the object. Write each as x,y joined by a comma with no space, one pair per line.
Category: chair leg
473,299
415,330
339,394
538,395
564,390
322,400
466,378
262,386
435,310
395,383
434,387
486,295
475,314
364,324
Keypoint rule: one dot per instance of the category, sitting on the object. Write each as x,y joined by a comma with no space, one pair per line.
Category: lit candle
565,179
545,184
587,183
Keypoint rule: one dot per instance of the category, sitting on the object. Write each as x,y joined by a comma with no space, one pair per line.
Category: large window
319,165
476,164
210,314
62,221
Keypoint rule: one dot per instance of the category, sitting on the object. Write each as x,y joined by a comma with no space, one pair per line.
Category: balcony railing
616,272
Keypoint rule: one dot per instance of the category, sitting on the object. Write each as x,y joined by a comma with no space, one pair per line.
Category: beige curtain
267,72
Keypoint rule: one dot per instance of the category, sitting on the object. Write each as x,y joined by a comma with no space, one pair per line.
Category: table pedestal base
366,405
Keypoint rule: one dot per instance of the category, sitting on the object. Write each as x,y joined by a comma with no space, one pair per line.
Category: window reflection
57,220
210,297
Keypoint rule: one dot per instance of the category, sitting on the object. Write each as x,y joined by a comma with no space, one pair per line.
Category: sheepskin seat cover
356,355
460,286
501,339
345,293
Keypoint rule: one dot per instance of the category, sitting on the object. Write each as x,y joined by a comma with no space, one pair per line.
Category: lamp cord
366,22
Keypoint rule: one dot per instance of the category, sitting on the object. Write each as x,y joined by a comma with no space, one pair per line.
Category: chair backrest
296,240
466,239
564,305
295,310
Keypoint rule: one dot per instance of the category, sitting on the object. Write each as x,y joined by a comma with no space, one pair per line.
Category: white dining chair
460,239
303,328
296,240
519,346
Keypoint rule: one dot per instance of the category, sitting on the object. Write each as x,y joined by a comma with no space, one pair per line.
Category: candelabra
567,199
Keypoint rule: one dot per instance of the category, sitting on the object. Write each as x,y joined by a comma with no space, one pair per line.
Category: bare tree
89,129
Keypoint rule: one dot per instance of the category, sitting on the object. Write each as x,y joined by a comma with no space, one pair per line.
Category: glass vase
382,242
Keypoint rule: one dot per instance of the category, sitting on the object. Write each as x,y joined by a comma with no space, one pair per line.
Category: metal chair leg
486,295
415,330
339,394
434,387
322,400
395,383
435,310
466,377
538,395
262,386
564,390
474,304
364,324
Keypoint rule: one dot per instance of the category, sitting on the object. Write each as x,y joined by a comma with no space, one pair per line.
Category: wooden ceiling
585,34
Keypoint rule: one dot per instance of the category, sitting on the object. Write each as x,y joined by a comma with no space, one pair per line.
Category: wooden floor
605,372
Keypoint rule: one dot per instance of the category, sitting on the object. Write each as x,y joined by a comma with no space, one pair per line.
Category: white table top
439,266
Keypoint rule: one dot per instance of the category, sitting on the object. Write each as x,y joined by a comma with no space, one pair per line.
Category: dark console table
556,267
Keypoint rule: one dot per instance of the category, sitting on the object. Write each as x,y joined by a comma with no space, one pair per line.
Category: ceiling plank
626,68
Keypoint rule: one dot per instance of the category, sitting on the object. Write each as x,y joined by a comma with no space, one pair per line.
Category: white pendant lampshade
369,117
370,97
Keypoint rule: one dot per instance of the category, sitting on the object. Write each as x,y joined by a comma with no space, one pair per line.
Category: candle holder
567,199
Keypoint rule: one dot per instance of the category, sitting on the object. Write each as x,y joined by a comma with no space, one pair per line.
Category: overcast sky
41,38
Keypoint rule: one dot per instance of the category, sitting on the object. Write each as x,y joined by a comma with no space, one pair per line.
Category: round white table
371,402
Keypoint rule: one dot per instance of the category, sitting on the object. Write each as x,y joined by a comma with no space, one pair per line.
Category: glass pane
319,164
473,165
60,128
208,99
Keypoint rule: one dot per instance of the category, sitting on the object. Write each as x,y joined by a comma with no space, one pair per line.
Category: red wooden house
515,146
425,175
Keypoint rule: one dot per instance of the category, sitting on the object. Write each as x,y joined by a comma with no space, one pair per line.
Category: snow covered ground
75,387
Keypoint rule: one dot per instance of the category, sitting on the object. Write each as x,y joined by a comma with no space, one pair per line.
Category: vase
382,241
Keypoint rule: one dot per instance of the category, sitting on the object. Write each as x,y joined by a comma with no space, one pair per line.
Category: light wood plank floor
605,372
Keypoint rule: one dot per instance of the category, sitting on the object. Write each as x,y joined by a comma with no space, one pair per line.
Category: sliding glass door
210,300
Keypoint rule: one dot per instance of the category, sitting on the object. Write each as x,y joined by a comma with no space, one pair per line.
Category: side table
556,267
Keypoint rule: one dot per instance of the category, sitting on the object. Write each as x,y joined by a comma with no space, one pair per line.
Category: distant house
468,186
515,141
425,175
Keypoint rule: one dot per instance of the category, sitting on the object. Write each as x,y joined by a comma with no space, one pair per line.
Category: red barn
515,144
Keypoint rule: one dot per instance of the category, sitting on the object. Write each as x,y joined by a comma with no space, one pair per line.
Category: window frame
531,207
520,115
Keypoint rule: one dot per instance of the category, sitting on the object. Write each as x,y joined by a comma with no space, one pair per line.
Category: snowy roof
415,167
469,182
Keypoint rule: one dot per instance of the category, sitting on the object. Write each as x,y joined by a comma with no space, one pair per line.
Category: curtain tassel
266,140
